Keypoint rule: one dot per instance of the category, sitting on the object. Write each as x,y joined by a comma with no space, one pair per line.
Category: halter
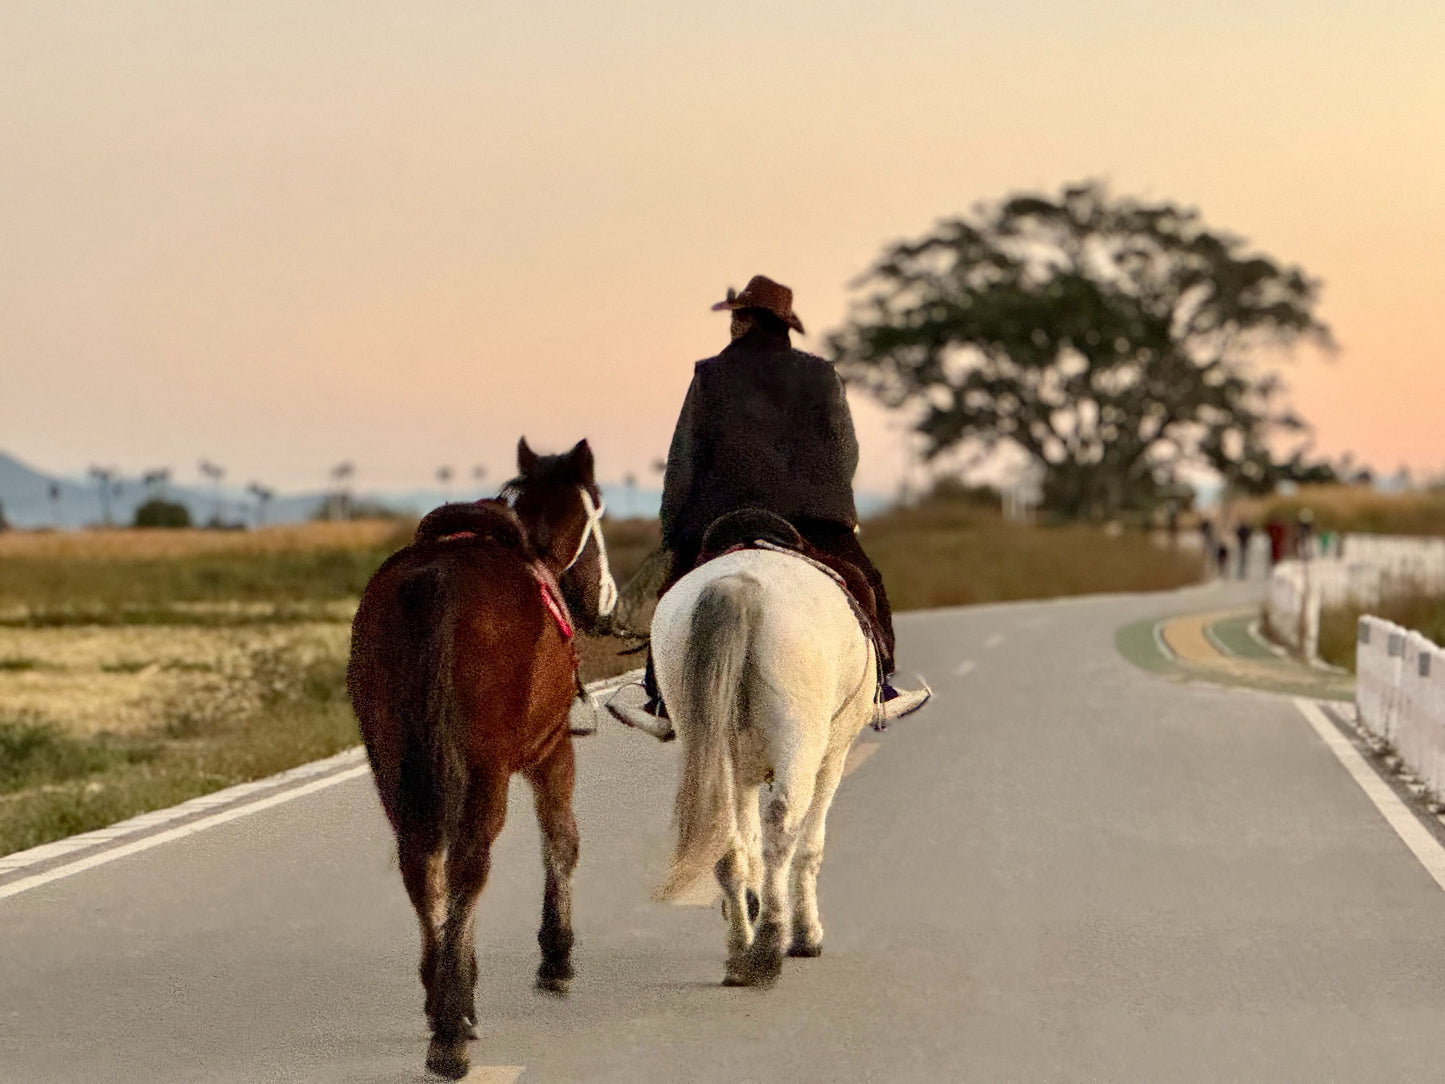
606,586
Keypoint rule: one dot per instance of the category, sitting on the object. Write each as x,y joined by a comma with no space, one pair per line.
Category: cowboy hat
763,293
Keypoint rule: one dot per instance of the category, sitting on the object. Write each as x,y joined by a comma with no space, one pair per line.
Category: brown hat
763,293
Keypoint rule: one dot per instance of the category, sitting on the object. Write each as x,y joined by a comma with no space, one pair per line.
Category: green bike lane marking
1190,647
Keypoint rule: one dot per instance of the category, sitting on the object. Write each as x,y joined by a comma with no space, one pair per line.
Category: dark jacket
764,426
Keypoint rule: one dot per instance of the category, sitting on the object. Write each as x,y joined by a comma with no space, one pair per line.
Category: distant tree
54,493
159,512
4,523
338,504
1111,339
155,481
444,479
263,497
105,480
479,474
214,472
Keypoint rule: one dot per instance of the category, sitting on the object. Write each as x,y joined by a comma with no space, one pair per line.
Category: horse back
451,643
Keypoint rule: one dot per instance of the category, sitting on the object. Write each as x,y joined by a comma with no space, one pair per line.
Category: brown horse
462,671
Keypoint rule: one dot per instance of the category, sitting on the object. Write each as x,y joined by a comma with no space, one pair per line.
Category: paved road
1068,869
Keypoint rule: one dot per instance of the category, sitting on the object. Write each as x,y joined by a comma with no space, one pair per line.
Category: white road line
82,864
349,758
994,640
965,668
1415,836
48,851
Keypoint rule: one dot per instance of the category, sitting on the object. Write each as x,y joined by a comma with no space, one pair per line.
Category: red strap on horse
553,600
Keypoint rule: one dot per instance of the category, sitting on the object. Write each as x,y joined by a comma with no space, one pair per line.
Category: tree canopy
1112,339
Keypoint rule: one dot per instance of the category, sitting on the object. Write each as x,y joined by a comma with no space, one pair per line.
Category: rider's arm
840,426
677,482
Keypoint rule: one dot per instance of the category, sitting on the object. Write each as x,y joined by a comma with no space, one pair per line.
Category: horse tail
433,776
714,693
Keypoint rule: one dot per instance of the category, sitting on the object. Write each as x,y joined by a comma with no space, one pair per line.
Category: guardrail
1370,567
1400,699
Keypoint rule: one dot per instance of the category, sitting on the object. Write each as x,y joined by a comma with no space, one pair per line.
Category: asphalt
1069,867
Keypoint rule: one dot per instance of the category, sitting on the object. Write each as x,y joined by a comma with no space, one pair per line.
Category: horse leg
788,797
807,933
423,872
552,783
468,861
737,874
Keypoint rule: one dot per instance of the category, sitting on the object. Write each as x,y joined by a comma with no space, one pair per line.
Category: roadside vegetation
1354,508
139,668
1425,613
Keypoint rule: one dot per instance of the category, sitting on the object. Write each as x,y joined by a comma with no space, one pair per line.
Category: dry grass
136,680
1354,508
954,553
126,544
1425,613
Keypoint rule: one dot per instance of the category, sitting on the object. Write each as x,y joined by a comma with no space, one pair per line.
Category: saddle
753,528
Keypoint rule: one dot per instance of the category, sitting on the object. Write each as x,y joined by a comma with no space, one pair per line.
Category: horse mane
488,520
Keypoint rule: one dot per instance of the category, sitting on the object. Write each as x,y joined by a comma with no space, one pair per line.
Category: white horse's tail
714,688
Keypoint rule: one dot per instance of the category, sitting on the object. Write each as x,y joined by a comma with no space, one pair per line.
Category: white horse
768,677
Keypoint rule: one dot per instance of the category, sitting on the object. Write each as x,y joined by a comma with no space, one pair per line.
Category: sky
282,236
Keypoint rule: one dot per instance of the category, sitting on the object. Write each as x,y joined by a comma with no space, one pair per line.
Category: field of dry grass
128,544
1354,508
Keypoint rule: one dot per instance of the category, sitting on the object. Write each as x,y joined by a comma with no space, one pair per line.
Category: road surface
1067,868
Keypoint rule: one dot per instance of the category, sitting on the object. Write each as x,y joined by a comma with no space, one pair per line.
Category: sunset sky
284,235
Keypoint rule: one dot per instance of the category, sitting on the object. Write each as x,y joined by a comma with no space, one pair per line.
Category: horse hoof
805,951
553,984
448,1058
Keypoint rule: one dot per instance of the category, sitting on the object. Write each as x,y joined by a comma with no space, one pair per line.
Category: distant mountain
26,496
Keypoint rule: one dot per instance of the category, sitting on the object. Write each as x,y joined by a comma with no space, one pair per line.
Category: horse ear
526,458
581,456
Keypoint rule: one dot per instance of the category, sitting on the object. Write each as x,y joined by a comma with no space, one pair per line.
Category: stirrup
582,717
629,706
903,701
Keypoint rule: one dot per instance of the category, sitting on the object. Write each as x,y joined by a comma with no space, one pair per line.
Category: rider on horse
765,426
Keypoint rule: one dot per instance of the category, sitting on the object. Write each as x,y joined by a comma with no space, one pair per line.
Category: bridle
606,587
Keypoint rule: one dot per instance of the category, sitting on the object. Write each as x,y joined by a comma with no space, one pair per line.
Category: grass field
142,668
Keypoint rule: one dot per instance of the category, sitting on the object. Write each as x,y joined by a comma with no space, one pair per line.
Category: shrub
157,512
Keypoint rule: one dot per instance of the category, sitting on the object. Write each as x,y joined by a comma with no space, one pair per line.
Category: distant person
1305,534
1206,538
766,426
1221,558
1278,536
1243,532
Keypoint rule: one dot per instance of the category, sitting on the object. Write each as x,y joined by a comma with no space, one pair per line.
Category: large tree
1112,339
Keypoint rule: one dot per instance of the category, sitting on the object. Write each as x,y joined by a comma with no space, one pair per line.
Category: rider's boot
638,704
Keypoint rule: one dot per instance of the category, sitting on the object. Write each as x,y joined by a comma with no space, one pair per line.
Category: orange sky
285,235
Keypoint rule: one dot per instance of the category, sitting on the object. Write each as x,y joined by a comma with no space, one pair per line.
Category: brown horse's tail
433,776
714,699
